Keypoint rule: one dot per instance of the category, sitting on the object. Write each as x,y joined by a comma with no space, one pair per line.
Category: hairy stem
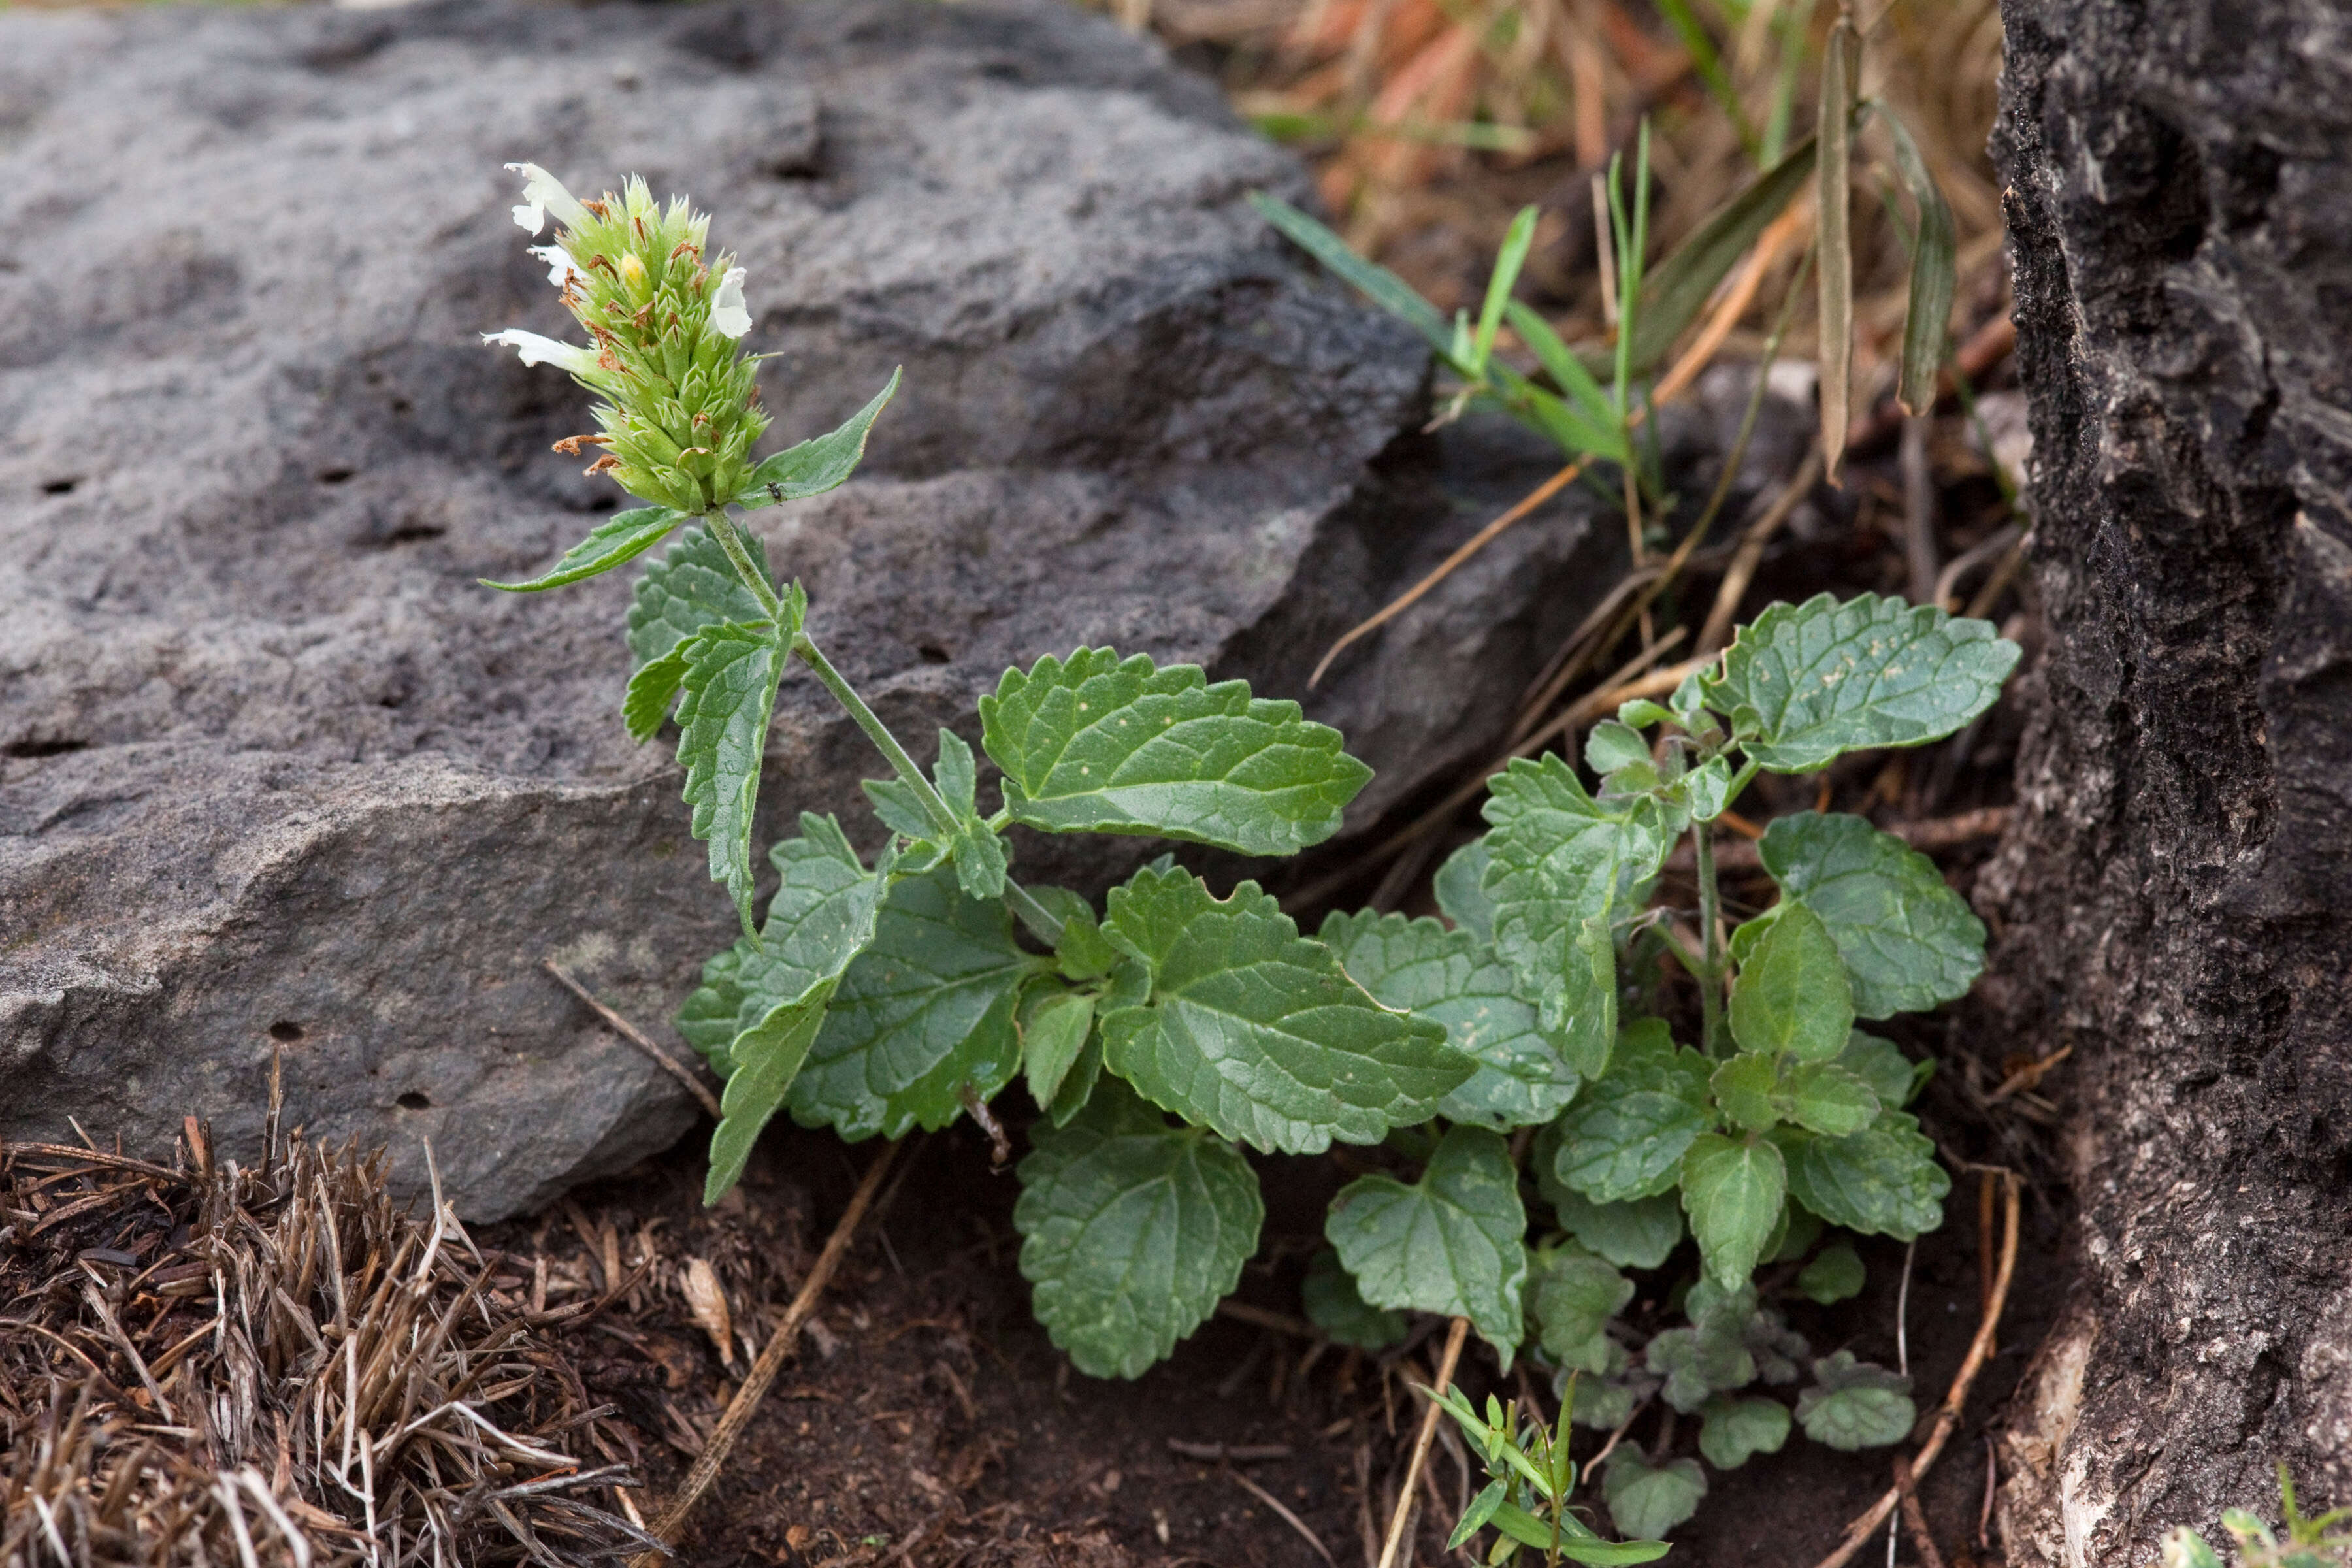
1710,977
739,555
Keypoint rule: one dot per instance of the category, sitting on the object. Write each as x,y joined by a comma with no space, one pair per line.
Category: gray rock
276,773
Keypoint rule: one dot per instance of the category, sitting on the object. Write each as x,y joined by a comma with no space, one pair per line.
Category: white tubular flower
543,192
537,350
727,314
560,268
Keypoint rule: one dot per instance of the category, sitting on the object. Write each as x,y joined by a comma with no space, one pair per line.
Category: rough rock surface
274,772
2180,209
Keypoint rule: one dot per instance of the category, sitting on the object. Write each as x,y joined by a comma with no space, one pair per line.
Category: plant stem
1710,979
942,817
739,555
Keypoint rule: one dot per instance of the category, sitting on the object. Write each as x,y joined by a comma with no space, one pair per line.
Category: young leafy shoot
1096,743
1907,939
1133,1230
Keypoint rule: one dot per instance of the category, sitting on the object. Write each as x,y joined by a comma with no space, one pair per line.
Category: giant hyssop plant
1166,1032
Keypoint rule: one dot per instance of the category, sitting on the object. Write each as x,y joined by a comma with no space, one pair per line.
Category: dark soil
929,1420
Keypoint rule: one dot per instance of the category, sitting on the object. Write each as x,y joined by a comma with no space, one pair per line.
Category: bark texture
2178,898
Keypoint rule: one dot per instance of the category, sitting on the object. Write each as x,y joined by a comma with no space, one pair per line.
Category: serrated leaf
1084,953
1827,678
1078,1084
1449,1244
1792,995
1054,1025
1855,1406
1651,1501
1557,861
1461,890
1799,1228
765,998
1573,1295
766,1057
1734,1191
900,808
620,537
1706,790
981,860
1449,977
1907,939
1100,744
818,464
730,693
650,692
693,585
1612,745
1882,1065
1605,1407
1635,1235
1132,1231
1734,1430
1255,1031
1625,1136
1335,1306
925,1012
1834,1276
1882,1181
1830,1100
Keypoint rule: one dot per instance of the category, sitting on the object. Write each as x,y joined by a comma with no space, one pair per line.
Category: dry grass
212,1365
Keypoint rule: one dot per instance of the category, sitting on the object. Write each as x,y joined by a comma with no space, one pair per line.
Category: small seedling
2309,1543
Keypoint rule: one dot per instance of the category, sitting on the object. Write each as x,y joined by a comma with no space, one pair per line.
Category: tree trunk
2177,898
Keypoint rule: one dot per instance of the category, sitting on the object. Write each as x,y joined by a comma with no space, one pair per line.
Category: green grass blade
1934,274
1709,66
1507,262
1383,287
1677,289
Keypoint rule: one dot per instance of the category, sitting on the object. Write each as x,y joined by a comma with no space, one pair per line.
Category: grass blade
1835,138
1709,66
1383,287
1678,287
1507,262
1560,362
1934,270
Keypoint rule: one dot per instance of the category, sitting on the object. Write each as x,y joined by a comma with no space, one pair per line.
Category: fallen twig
1445,1364
741,1409
1289,1518
1233,1453
1949,1417
630,1032
1915,1518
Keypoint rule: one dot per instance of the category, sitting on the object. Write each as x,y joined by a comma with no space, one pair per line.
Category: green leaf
1084,953
1449,1244
620,537
1882,1065
1734,1430
1927,319
1882,1181
1335,1307
1827,678
1733,1191
1592,423
766,1057
1513,256
1255,1031
1100,744
1856,1405
730,690
1383,288
1799,1228
1746,1090
1834,1276
923,1014
765,998
1558,858
1078,1084
1054,1025
1605,1407
1612,745
1461,887
816,466
1452,978
1132,1230
1574,1296
1481,1508
1577,1543
1651,1501
651,690
1907,939
1679,287
2184,1548
1637,1235
1792,994
1830,1100
692,586
1833,236
901,808
1626,1135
